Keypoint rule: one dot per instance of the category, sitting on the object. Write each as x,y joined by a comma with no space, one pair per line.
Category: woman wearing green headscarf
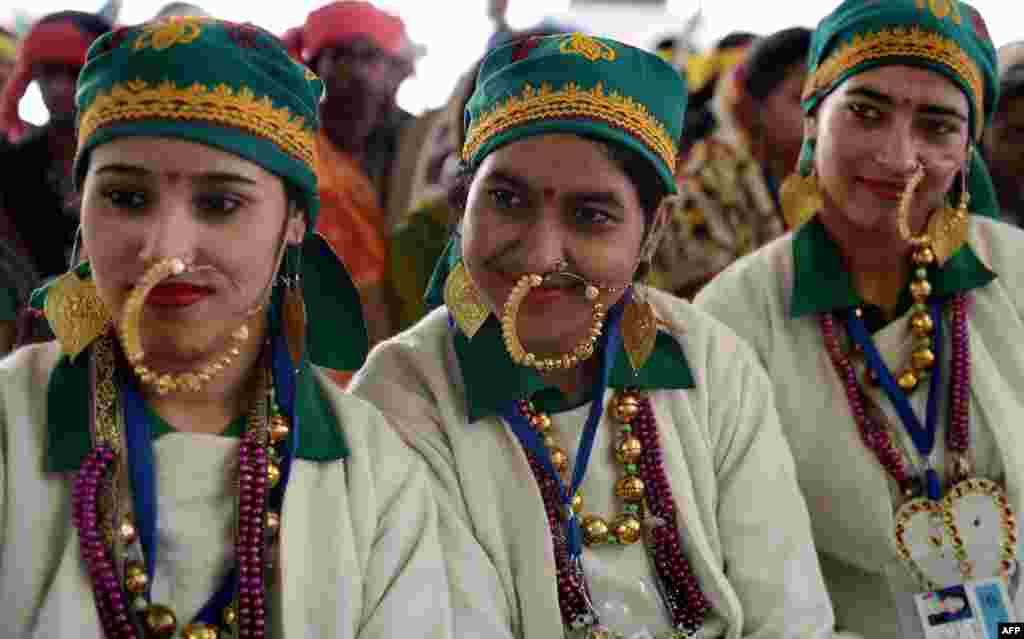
888,320
174,464
615,452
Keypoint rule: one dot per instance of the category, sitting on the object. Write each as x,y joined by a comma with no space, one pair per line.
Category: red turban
341,22
58,41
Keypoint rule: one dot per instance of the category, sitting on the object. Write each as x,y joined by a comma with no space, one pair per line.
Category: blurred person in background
703,72
1003,143
363,54
38,201
729,195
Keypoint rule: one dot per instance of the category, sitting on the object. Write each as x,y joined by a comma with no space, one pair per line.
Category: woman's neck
224,398
574,383
878,265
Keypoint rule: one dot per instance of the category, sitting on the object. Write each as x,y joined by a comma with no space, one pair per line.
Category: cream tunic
359,553
849,495
743,521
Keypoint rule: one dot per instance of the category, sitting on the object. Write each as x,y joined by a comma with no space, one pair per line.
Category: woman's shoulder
411,364
29,364
998,245
707,342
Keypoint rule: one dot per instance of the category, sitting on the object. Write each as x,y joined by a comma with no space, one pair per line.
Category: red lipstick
176,294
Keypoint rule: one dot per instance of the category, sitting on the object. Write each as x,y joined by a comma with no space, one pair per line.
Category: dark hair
90,23
1011,86
650,188
771,59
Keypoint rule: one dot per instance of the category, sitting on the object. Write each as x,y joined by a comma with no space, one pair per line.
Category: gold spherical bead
627,529
595,530
591,292
191,382
559,459
630,488
629,450
273,474
529,359
165,384
908,380
550,441
920,290
273,522
198,631
577,502
241,333
127,531
278,428
230,615
541,422
921,324
625,407
923,256
923,358
135,578
160,621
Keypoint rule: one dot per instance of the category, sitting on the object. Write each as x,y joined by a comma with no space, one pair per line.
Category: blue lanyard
534,444
138,439
922,436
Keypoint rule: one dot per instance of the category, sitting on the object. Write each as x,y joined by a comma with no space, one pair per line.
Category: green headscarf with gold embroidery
572,83
235,88
945,36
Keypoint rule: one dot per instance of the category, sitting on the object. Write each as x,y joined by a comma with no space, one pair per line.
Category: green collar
491,377
823,284
68,410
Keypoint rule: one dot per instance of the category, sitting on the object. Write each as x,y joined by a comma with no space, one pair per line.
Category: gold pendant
639,330
800,198
464,302
948,231
75,312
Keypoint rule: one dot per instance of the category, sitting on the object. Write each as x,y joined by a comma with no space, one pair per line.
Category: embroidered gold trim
571,101
139,100
106,421
588,47
941,9
165,34
901,41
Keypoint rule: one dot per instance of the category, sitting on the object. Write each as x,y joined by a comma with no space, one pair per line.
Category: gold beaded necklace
624,529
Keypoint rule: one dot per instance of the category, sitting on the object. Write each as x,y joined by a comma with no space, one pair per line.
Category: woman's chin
182,350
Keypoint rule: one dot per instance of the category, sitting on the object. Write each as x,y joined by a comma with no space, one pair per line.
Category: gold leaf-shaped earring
800,194
639,329
948,227
75,312
464,302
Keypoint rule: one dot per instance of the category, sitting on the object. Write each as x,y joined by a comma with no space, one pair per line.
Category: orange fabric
351,218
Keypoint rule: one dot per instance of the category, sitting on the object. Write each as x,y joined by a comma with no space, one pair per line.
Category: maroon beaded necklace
686,603
258,526
876,436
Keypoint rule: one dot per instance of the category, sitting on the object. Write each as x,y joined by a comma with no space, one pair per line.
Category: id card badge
971,610
968,610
